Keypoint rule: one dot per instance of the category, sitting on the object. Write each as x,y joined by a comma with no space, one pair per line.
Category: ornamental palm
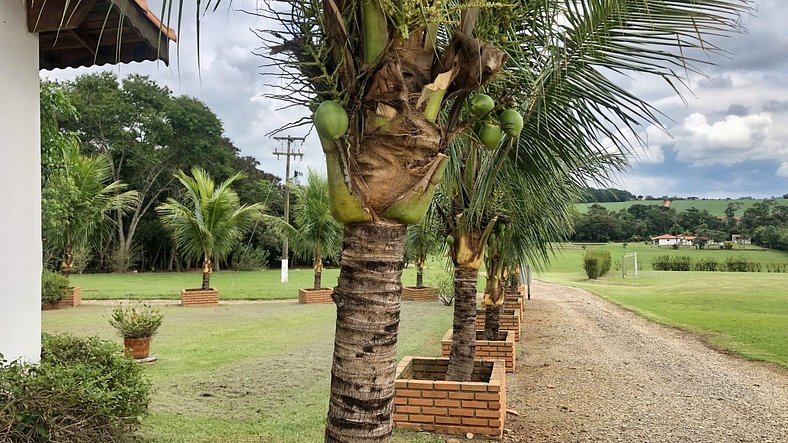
403,72
76,199
210,222
316,235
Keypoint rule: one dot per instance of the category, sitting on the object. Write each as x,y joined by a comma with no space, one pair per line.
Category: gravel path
590,371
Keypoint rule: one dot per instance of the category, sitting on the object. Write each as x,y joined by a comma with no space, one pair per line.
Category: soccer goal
629,265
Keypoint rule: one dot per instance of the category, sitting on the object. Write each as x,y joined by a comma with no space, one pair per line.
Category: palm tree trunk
318,280
367,297
463,343
206,274
318,267
420,278
492,322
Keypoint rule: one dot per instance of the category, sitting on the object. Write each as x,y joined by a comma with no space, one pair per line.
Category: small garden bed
308,296
412,293
425,401
71,299
514,302
200,297
510,321
503,348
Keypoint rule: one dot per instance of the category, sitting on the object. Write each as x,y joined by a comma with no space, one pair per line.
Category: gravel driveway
589,371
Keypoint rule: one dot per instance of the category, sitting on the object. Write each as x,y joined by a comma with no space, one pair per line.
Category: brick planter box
308,296
514,302
424,401
510,321
199,297
72,299
502,349
413,293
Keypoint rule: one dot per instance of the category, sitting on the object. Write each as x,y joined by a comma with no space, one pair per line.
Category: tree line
766,223
147,134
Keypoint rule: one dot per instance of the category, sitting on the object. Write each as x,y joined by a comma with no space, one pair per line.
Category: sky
727,136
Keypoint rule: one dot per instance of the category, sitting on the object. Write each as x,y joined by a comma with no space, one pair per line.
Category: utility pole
289,153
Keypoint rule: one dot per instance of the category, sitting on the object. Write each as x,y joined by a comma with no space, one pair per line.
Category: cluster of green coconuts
491,239
490,132
331,121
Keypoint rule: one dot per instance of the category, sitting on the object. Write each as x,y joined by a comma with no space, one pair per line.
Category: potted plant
207,226
136,324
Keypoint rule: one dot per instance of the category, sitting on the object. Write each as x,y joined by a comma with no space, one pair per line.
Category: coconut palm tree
316,234
391,84
210,221
421,241
76,199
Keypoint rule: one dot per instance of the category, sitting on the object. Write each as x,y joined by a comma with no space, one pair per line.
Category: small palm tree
210,222
76,199
421,241
316,234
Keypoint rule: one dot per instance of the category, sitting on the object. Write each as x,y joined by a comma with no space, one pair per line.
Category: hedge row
730,264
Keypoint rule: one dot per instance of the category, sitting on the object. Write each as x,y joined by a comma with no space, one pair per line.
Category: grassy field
715,207
232,285
249,373
746,313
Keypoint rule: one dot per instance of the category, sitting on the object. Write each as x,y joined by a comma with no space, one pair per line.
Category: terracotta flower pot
137,347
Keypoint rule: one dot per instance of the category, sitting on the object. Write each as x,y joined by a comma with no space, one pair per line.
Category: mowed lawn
249,373
232,285
746,313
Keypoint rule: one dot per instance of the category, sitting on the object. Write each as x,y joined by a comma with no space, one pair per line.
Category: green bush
727,245
777,267
83,390
596,263
706,264
136,321
53,287
671,263
250,259
740,264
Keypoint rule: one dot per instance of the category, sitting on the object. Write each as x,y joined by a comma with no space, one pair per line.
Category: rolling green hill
716,207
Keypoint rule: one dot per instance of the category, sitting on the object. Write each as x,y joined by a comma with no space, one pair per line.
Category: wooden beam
53,15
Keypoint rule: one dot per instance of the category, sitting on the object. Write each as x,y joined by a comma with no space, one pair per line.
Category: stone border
424,401
504,349
200,297
510,321
308,296
412,293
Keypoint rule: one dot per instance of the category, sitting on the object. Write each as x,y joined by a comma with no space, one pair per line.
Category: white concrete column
20,187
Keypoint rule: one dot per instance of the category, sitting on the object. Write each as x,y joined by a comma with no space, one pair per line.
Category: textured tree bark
318,280
492,322
463,344
367,297
206,274
419,279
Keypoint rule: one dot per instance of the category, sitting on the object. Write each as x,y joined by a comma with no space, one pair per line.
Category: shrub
136,321
53,287
250,259
777,267
445,285
671,263
727,245
674,246
84,390
706,264
740,264
596,263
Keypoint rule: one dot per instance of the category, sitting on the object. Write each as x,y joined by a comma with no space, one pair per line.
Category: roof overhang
76,33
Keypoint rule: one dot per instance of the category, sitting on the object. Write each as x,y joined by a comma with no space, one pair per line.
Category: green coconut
511,122
491,239
449,240
331,120
490,135
481,104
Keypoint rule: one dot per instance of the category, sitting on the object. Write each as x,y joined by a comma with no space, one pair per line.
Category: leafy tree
210,221
393,84
76,200
421,241
315,234
54,107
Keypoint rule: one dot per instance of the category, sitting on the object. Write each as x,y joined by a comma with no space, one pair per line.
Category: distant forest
609,195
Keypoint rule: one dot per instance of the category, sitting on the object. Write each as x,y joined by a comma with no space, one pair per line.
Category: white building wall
20,187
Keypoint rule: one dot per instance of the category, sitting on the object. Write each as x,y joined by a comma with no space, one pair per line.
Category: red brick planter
308,296
502,349
200,297
413,293
72,299
424,401
514,302
510,321
137,347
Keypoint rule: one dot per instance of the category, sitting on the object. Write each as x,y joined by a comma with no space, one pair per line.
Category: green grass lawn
715,207
232,285
746,313
249,373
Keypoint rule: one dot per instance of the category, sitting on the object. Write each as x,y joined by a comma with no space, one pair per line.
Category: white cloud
782,171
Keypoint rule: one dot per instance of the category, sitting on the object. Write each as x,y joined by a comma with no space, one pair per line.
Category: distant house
741,239
670,240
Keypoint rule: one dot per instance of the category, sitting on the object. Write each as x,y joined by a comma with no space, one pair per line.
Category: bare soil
590,371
